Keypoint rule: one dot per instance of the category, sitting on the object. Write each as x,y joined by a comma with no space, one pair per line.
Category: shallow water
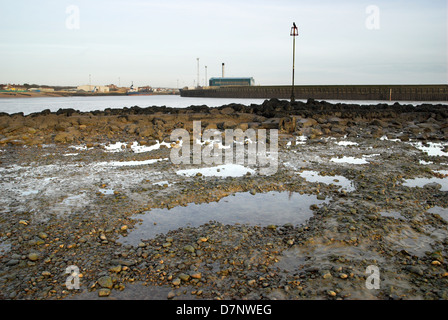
30,105
421,182
261,209
223,171
442,212
314,176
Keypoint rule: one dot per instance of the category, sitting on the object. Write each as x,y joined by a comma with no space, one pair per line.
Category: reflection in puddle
442,212
223,171
431,148
413,242
130,163
351,160
135,147
392,214
421,182
106,191
261,209
314,176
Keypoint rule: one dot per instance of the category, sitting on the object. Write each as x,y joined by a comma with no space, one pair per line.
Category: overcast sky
157,42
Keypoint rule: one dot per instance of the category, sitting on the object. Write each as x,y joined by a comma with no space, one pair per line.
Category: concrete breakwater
342,92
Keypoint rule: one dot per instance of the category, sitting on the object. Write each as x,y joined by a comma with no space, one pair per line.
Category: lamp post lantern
294,33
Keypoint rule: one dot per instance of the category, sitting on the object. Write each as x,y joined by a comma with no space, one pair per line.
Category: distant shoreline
71,94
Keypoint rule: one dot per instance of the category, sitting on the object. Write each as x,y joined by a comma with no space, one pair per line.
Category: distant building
145,89
218,82
92,88
46,89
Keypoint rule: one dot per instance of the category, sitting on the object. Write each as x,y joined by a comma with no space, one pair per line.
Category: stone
42,235
184,277
105,282
415,270
432,185
12,262
189,248
176,282
33,256
115,269
196,275
103,292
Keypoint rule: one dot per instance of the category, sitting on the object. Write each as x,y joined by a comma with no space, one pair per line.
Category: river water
31,105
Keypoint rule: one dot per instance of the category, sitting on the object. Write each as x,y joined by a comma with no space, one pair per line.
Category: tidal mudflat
356,186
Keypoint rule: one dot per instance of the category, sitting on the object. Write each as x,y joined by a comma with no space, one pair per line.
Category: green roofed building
219,82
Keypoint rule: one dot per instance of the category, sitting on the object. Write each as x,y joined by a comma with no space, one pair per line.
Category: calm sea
30,105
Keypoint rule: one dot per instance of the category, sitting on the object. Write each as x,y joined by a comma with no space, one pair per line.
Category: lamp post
198,72
294,33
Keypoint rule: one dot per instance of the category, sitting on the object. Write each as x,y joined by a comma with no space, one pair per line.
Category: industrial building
218,82
92,88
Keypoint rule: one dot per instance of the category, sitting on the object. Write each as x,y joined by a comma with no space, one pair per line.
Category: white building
92,88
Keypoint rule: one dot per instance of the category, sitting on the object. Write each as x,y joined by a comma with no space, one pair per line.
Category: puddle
223,171
323,255
106,191
81,147
314,176
392,214
410,240
5,247
29,192
443,212
350,160
299,140
261,209
385,138
163,183
422,182
431,148
135,147
129,163
347,143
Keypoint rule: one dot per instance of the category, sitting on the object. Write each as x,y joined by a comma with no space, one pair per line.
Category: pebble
189,248
105,282
115,269
33,256
331,293
176,282
103,292
196,275
184,277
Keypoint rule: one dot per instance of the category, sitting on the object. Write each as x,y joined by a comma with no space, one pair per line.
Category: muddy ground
74,186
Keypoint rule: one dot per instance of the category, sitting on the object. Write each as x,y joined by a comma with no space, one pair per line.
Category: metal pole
293,66
198,72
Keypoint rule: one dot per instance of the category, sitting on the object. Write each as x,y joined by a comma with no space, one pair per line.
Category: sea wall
374,92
